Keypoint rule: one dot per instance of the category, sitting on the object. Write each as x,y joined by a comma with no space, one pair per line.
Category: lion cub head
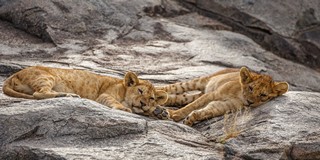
141,93
259,88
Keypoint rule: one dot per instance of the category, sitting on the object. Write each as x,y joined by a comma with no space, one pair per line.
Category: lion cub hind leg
213,109
63,94
43,94
179,100
43,88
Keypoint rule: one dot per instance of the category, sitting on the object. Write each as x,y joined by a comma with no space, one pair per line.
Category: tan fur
125,94
229,89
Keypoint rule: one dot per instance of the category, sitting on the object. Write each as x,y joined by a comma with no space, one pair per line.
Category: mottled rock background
164,41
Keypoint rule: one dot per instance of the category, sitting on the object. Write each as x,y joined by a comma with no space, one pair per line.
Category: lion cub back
38,79
80,82
216,83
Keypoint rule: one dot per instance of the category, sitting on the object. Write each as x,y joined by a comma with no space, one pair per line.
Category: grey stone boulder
58,20
69,128
289,29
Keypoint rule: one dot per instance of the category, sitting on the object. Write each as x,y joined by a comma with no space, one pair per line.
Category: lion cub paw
125,109
73,95
161,113
188,121
68,95
175,116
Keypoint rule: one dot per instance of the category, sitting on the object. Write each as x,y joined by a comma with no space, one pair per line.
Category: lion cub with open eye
128,94
229,89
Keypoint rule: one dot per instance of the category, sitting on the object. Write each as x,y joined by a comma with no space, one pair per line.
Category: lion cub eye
151,98
250,88
140,90
263,95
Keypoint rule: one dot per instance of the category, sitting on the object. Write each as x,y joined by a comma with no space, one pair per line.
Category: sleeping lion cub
229,89
128,94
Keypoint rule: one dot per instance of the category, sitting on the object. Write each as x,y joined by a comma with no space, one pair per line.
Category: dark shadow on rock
246,19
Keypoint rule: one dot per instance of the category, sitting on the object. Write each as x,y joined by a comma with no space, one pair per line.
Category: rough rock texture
66,128
289,29
59,20
163,41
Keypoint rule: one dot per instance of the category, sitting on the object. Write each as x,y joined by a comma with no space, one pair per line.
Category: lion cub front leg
159,112
181,113
213,109
109,101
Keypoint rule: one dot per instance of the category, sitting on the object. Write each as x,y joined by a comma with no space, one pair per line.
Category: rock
59,20
285,128
68,128
266,24
7,69
164,42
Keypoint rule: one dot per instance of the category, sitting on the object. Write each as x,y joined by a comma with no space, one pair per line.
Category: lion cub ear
245,75
161,97
280,87
131,79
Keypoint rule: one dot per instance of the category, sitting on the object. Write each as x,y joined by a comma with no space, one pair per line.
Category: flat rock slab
70,128
288,29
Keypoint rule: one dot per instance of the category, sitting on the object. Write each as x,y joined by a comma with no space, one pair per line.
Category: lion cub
128,94
229,89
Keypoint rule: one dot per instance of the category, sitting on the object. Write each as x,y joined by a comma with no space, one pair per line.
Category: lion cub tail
8,90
